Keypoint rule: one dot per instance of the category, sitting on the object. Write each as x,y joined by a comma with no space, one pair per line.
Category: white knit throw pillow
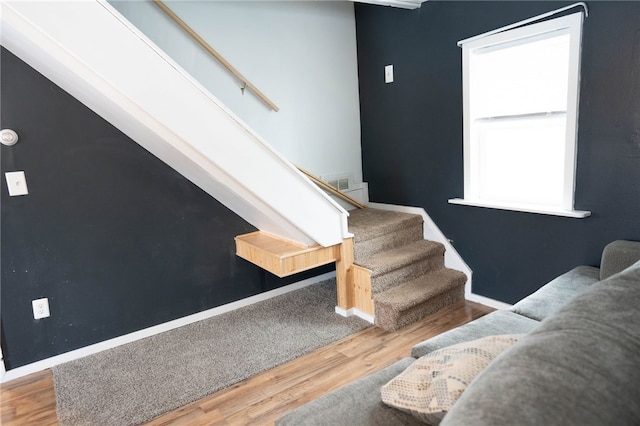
430,386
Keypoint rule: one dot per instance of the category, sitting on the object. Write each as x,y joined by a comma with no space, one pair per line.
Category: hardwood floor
261,399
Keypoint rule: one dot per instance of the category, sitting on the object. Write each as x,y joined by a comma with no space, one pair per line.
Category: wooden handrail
246,83
322,184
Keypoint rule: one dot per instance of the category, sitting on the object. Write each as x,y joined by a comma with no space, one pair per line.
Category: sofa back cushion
557,292
617,256
497,322
581,366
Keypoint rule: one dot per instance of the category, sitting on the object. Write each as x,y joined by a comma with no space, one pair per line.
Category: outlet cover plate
388,74
40,308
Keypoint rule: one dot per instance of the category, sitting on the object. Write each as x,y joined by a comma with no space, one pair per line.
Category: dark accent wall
412,136
116,239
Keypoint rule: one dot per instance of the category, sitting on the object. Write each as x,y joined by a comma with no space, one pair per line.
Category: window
520,100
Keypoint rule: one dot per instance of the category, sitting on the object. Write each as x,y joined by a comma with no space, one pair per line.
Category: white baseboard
355,312
25,370
487,301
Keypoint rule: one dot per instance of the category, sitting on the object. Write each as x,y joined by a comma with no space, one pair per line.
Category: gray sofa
578,362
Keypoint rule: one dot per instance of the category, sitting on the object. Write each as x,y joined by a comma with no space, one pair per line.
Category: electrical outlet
40,308
388,74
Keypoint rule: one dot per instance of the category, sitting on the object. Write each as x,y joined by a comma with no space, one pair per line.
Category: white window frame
573,25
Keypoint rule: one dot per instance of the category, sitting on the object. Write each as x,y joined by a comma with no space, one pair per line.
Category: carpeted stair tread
369,223
398,238
411,301
389,260
392,320
420,289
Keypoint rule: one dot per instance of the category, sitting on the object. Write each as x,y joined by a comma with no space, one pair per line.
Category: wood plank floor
261,399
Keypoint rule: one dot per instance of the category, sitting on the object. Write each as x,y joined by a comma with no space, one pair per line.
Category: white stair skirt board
156,329
355,312
452,258
2,369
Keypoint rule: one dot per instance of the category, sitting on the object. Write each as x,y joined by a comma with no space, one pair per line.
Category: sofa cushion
557,293
580,367
497,322
429,387
356,404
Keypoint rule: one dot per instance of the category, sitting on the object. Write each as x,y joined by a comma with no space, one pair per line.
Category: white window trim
573,23
527,208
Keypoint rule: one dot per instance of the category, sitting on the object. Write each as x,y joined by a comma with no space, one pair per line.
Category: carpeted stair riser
392,320
391,240
421,289
396,266
412,300
389,260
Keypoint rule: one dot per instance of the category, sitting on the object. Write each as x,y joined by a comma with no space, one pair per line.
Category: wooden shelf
282,257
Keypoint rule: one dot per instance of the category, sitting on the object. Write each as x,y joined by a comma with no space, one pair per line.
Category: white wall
301,54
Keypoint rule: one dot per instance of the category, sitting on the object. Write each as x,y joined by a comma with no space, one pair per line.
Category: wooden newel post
344,275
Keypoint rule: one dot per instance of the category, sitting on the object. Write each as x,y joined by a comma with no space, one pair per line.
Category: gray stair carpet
376,230
408,278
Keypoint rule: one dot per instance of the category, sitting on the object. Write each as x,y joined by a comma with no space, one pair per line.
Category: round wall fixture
8,137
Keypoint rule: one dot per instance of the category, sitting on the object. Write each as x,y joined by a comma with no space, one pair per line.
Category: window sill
522,208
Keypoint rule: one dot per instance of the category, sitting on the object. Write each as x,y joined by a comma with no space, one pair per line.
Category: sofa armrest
617,256
580,367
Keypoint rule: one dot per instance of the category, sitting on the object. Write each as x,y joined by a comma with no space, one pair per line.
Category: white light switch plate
388,74
17,183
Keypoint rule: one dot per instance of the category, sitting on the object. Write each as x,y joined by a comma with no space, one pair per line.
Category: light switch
17,183
388,74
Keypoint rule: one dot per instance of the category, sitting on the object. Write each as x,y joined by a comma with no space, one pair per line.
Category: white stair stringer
91,51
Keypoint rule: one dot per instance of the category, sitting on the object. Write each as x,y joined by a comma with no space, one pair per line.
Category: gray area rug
138,381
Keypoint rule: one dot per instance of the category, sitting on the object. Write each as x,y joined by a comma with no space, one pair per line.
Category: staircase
404,273
398,276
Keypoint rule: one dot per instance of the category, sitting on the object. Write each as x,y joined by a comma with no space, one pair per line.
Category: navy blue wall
412,136
117,240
